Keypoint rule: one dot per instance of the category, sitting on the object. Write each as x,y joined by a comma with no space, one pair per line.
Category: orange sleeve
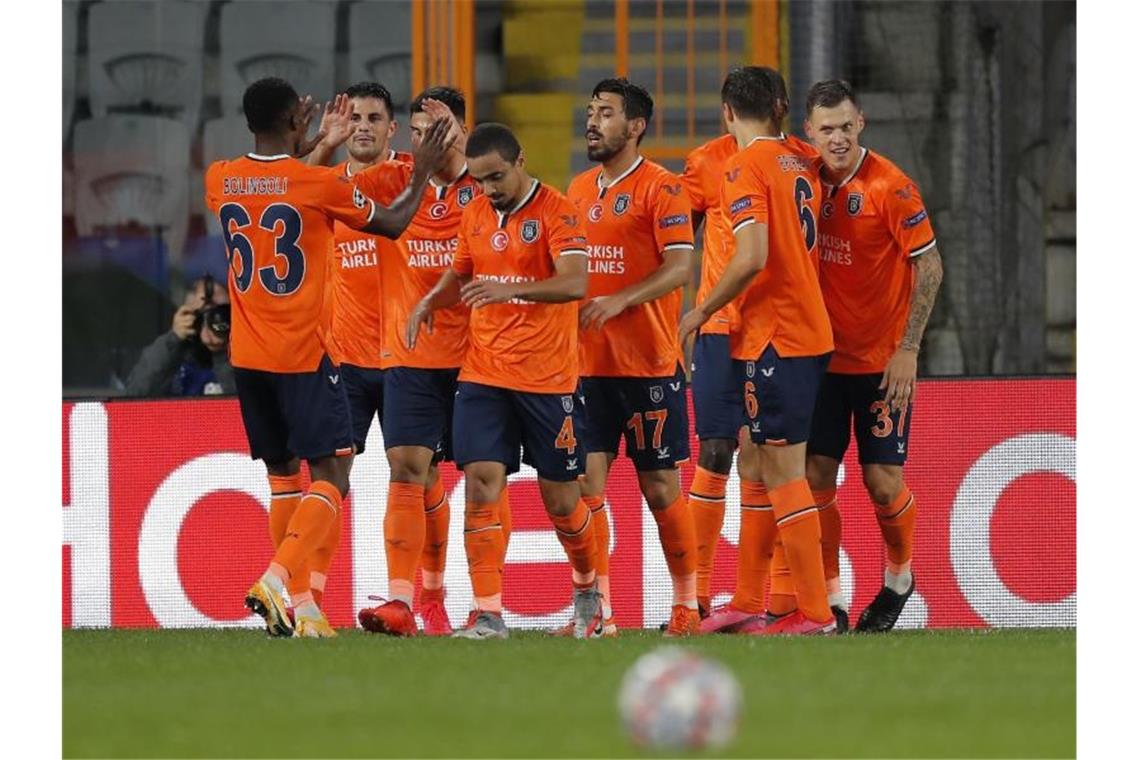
672,217
744,194
462,263
691,179
213,199
345,202
907,217
566,234
383,182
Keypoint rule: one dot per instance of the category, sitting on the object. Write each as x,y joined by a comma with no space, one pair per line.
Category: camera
212,315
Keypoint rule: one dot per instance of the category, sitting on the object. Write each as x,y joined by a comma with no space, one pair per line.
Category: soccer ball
675,699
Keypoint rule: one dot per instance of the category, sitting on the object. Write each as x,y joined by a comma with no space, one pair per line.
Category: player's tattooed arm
333,131
672,274
901,372
749,259
445,293
391,221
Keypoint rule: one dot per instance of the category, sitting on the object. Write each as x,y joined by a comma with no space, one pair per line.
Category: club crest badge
621,204
854,204
530,230
568,404
656,393
465,195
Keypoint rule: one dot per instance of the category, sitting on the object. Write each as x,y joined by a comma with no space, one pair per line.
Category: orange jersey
703,176
871,226
521,345
277,220
775,181
629,226
424,252
355,333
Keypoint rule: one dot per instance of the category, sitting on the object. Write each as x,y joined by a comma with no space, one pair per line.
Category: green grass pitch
235,693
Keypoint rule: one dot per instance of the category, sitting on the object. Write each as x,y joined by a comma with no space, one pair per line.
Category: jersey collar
863,153
504,215
441,190
780,136
257,157
603,188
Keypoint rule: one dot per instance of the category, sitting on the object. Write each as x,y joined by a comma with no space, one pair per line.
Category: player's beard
606,149
364,154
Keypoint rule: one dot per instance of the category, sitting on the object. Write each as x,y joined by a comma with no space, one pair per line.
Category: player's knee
882,483
408,471
483,487
284,468
822,472
715,455
660,488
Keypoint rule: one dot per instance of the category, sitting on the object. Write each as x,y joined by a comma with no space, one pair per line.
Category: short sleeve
385,181
691,179
566,235
346,203
462,263
744,194
907,217
213,192
672,216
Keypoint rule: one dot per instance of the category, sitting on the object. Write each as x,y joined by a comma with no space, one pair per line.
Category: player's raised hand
599,310
432,149
485,292
899,379
336,122
309,110
690,323
437,109
420,316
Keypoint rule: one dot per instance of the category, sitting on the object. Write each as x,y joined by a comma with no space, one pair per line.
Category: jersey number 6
285,222
807,219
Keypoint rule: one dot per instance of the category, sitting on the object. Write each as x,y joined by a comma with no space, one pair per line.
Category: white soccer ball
672,698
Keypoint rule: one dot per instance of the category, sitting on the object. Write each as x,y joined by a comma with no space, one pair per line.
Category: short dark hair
373,90
753,92
267,103
635,100
493,137
449,96
829,93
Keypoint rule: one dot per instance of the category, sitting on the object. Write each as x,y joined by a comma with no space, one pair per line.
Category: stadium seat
132,170
379,46
294,41
147,57
70,45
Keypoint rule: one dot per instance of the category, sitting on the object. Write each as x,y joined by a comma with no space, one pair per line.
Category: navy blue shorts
717,402
418,409
779,395
303,414
365,389
880,434
491,424
649,411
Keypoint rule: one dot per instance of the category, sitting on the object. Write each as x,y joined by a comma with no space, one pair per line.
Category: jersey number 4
284,222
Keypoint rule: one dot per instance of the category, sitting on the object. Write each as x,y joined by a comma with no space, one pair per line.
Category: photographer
193,358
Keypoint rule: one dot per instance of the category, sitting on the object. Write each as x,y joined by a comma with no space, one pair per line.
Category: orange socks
601,520
483,540
781,589
322,559
679,542
576,533
706,505
757,536
437,512
404,530
798,521
307,528
896,523
830,534
285,496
